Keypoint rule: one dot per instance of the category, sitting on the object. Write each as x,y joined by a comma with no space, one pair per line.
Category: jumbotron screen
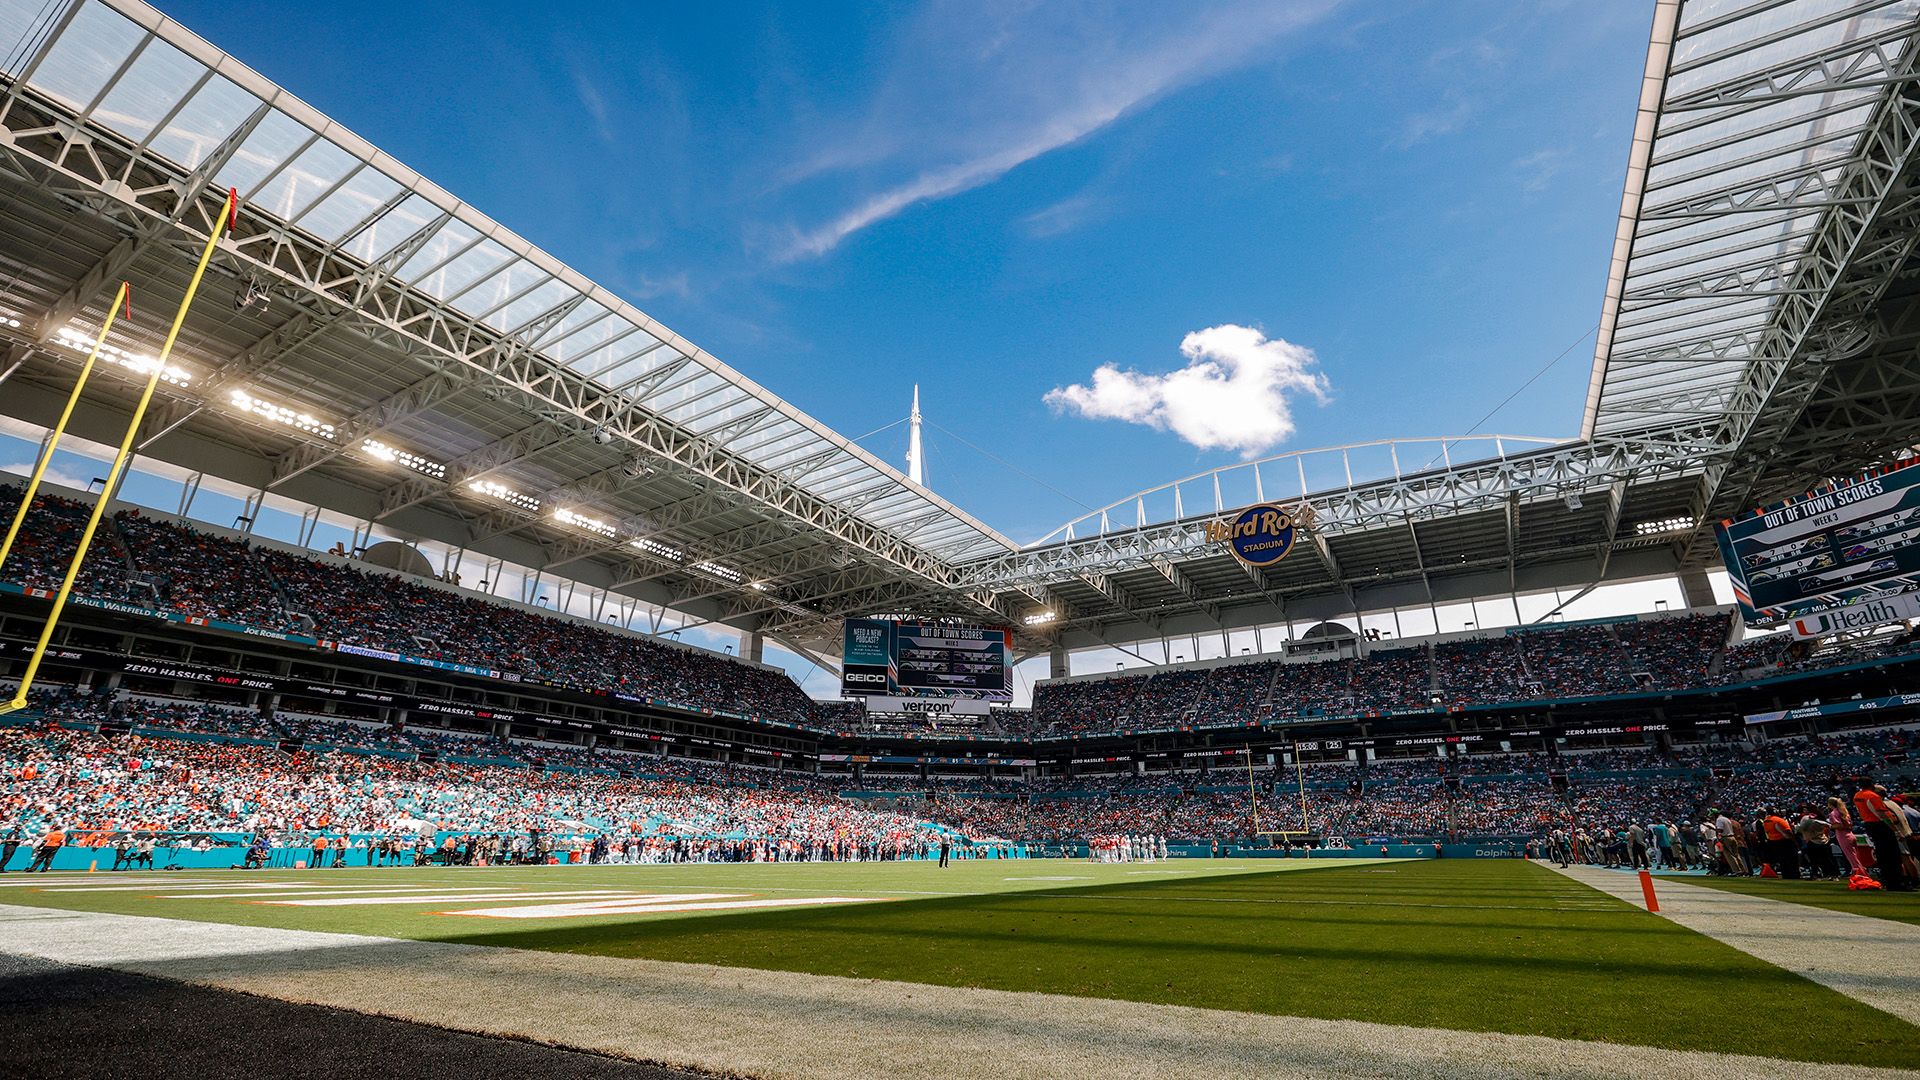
910,659
1842,545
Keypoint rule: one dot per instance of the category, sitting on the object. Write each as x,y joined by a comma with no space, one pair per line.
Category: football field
1496,946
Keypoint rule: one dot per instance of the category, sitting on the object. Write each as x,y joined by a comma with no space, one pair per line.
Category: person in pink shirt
1842,824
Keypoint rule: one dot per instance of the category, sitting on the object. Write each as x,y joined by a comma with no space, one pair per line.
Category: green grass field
1898,906
1484,946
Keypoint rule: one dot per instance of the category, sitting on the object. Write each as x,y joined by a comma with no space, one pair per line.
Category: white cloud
1064,216
1538,169
1235,393
54,475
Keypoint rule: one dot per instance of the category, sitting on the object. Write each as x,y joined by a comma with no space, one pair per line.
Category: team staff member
50,844
1885,824
946,848
1783,848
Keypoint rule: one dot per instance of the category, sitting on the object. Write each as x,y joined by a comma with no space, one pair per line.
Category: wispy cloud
1538,169
1066,215
955,121
1451,115
595,103
1235,393
652,287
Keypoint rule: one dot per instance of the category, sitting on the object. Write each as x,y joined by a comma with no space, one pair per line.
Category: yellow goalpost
225,225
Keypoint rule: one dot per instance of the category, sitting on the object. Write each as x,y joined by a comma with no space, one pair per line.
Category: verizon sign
913,706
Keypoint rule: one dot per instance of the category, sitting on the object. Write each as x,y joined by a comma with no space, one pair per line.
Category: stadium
448,669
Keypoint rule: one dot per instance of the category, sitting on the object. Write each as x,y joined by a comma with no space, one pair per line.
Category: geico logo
862,677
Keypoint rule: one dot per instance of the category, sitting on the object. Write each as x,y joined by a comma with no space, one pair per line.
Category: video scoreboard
923,659
1841,547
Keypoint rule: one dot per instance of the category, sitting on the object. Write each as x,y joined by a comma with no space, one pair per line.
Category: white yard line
777,1025
429,898
1870,960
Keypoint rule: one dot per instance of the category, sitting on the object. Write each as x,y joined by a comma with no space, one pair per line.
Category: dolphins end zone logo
1261,534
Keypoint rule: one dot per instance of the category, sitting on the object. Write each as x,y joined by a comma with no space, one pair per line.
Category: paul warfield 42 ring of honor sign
895,659
1847,549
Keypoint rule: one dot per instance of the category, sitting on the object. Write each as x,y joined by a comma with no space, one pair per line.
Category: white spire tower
916,465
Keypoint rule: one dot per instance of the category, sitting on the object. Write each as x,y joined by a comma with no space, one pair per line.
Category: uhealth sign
1259,535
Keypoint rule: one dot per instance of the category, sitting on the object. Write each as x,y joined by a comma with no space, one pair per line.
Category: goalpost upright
229,215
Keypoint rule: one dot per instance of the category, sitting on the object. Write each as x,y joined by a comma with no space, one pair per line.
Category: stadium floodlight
582,521
1664,525
80,341
725,573
275,413
505,494
1039,618
393,455
655,547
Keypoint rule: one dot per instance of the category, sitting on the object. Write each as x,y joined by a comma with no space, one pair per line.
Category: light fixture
1038,618
393,455
505,494
582,521
655,547
139,363
1663,525
275,413
725,573
1573,500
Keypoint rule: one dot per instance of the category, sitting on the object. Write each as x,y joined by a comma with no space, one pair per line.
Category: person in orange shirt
1884,824
50,844
1783,847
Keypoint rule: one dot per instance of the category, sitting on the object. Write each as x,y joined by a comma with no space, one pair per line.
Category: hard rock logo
1262,534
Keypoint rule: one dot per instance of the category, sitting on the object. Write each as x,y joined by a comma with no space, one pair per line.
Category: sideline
1867,959
773,1024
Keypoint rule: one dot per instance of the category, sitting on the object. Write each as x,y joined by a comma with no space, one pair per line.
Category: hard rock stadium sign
1261,534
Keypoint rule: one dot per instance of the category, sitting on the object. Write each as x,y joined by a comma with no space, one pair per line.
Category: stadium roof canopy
445,363
1758,335
415,363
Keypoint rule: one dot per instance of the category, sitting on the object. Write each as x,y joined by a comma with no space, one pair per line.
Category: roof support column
1695,588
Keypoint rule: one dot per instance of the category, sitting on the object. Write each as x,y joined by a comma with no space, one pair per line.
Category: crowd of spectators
94,782
184,570
145,780
1626,656
196,573
47,541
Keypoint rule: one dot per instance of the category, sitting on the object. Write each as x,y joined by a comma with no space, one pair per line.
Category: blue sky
1407,207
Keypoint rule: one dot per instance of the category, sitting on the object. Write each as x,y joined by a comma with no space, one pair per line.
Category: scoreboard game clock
925,659
1844,547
